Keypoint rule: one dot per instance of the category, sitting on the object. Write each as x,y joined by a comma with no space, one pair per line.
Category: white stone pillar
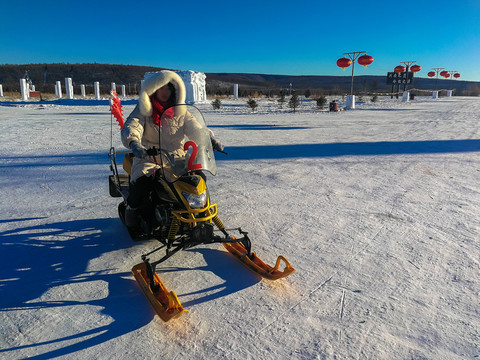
449,93
24,89
124,92
113,87
235,91
96,86
350,103
435,95
58,89
69,88
1,90
406,96
82,90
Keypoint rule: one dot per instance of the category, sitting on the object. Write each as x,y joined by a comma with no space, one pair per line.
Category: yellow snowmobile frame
164,302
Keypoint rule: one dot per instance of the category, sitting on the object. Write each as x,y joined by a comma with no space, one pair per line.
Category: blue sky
269,37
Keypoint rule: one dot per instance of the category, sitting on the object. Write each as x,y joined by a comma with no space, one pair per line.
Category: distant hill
44,76
337,84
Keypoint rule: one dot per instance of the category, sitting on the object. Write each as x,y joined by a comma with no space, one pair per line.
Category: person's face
163,94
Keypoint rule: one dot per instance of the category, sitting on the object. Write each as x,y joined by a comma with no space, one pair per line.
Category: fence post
1,90
58,89
82,90
96,85
69,88
24,89
235,91
124,93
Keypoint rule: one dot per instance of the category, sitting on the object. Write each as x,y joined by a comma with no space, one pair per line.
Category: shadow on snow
235,276
53,259
350,149
67,102
258,127
46,258
266,151
70,159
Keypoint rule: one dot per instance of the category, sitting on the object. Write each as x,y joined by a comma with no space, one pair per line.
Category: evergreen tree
252,104
216,104
321,101
294,102
281,100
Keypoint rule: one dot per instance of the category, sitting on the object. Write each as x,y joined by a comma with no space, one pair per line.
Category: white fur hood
154,81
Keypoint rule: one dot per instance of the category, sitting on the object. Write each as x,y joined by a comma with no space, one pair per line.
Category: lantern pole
407,64
451,72
354,56
437,70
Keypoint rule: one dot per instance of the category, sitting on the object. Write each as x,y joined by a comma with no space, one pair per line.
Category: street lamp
451,74
362,60
407,64
344,62
437,71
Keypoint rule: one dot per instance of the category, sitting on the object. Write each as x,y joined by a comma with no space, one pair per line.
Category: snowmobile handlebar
153,151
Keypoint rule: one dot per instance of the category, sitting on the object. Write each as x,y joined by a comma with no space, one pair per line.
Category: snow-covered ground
377,209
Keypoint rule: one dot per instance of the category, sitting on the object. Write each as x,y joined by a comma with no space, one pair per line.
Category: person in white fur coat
159,92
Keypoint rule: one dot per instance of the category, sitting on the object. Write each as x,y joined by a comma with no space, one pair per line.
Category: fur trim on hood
154,81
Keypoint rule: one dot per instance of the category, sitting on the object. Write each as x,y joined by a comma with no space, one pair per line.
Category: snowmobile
179,212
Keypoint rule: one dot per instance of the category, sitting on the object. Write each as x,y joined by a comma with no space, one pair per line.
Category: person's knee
139,190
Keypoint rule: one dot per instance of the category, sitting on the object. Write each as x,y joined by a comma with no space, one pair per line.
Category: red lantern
344,62
443,73
447,75
399,69
431,74
365,60
456,75
415,68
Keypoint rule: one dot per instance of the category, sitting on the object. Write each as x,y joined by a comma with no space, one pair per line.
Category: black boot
132,217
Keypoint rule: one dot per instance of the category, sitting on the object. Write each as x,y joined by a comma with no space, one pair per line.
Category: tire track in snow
45,184
356,251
